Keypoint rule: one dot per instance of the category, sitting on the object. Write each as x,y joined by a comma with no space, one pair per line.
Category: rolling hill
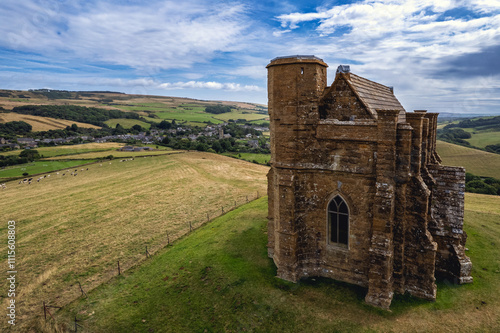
74,229
475,161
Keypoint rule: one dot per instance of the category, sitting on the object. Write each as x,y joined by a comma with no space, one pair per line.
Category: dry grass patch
75,228
41,123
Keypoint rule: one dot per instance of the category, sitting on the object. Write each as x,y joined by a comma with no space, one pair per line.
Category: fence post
81,289
147,252
119,267
208,217
190,226
168,239
44,311
222,208
247,198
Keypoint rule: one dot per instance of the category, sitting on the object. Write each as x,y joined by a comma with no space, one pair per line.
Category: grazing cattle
57,173
87,169
75,174
29,180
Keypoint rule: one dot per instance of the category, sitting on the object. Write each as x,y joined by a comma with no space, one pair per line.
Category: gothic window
338,221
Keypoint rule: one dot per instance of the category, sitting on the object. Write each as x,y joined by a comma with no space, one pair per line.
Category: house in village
357,192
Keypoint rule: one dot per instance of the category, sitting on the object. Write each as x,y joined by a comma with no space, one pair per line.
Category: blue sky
442,56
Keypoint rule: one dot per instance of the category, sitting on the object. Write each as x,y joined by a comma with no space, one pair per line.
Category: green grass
116,154
40,167
260,158
74,229
475,161
219,279
126,123
238,114
71,149
482,139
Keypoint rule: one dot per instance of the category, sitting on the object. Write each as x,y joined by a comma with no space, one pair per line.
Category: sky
441,56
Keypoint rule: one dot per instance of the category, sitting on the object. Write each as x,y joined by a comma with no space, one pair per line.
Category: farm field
71,149
260,158
75,228
115,153
477,162
41,123
219,278
179,109
127,123
42,166
482,139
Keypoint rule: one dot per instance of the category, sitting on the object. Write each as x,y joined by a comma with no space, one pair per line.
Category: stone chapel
357,192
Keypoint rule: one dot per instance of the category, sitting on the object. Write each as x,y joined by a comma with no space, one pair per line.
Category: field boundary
123,267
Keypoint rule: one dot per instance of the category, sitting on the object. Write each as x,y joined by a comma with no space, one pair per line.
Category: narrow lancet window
338,221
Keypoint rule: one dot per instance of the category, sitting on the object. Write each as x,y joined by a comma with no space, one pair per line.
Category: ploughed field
75,228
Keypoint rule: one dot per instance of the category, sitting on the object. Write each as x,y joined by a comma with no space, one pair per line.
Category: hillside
41,123
219,279
152,108
475,161
75,228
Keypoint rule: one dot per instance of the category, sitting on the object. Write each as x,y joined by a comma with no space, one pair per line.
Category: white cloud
167,34
400,43
209,85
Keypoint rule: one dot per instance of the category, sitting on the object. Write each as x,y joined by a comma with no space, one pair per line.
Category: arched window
338,221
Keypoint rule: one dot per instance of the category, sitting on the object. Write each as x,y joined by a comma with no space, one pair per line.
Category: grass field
40,167
75,229
115,153
260,158
126,123
237,114
71,149
219,279
482,139
41,123
475,161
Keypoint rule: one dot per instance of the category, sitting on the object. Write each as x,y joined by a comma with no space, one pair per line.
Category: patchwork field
127,123
37,167
475,161
74,229
41,123
152,108
219,279
72,149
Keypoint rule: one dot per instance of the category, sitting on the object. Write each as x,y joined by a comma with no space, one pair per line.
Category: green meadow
475,161
40,167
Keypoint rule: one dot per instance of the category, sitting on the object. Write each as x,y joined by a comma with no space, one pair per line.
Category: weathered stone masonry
356,189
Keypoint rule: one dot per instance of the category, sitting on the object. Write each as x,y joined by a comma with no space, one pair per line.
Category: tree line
83,114
476,184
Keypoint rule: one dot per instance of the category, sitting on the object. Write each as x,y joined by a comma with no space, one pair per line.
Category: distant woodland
94,116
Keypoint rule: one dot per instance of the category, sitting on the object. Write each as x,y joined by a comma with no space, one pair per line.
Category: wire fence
120,265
